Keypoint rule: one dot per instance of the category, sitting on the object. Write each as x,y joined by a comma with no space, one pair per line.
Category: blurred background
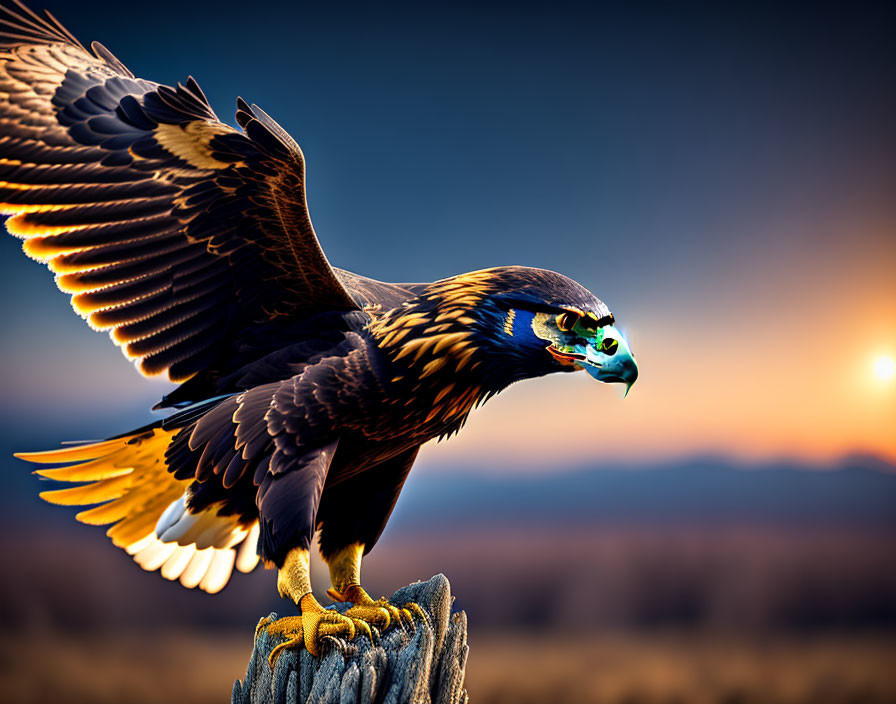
721,174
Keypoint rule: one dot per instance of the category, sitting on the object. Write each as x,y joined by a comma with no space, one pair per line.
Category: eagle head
543,322
505,324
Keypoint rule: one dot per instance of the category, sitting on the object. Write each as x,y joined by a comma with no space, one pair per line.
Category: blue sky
721,176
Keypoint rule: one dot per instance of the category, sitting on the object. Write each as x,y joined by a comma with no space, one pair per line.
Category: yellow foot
380,613
307,629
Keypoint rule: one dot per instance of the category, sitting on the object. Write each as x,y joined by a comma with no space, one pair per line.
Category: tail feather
91,471
73,453
136,525
247,557
176,564
128,478
113,511
196,568
94,493
218,571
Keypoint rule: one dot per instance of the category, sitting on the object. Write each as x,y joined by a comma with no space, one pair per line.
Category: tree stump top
424,664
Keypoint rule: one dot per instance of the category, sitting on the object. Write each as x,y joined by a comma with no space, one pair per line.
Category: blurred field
124,668
747,579
689,585
671,668
504,668
665,615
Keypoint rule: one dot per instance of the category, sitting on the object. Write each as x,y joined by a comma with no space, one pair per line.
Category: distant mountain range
858,490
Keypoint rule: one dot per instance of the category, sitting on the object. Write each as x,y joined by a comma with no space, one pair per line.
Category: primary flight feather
305,390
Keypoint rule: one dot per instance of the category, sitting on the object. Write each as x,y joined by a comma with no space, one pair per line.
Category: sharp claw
371,614
412,609
391,609
407,619
275,653
368,615
379,613
416,609
335,624
309,628
363,627
329,623
387,617
289,627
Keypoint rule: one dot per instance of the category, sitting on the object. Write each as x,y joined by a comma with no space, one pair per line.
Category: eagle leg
315,622
345,574
311,626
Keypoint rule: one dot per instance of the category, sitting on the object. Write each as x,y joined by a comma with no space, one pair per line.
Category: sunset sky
723,179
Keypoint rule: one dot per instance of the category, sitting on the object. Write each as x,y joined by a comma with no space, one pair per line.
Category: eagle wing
265,454
171,230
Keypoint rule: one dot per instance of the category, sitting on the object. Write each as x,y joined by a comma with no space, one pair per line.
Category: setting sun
885,368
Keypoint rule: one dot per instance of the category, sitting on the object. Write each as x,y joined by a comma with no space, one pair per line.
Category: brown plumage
306,391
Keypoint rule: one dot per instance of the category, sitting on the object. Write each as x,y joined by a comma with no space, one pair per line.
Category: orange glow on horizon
767,368
775,358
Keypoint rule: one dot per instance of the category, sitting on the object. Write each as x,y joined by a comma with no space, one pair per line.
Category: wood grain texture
422,666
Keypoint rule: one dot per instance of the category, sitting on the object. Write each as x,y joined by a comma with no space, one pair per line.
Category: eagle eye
567,321
608,346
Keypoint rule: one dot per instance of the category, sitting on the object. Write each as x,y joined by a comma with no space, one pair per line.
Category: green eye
608,346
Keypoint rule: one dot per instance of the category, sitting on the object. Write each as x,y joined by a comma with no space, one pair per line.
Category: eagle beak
609,362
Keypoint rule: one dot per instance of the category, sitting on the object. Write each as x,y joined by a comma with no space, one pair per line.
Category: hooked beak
611,361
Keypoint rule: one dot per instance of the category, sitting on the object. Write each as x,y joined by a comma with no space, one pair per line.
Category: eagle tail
145,504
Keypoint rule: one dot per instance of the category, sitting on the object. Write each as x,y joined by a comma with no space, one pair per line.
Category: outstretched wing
171,230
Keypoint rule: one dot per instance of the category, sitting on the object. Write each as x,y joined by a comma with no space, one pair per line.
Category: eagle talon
415,608
390,608
380,613
362,627
370,615
280,647
310,627
406,618
412,608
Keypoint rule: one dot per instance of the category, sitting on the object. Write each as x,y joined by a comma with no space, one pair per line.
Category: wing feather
172,230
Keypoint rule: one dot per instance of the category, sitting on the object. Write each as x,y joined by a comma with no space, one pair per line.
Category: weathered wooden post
421,664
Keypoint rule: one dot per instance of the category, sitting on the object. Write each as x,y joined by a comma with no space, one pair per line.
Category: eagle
304,391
